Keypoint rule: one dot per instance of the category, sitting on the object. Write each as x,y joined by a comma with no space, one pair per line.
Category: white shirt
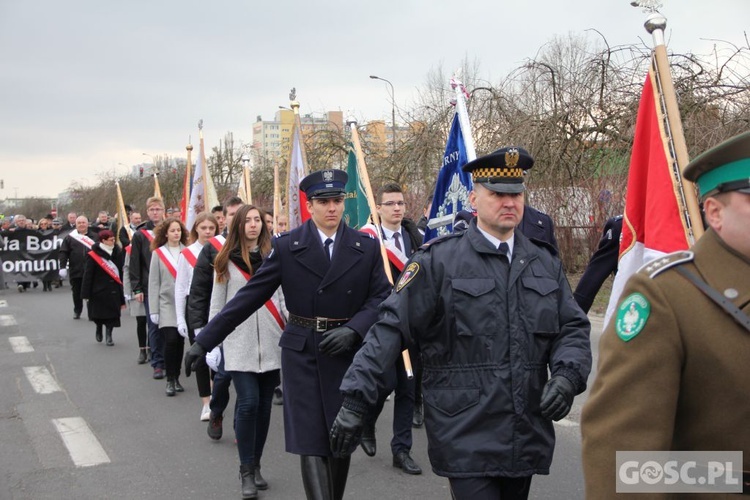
323,239
496,242
389,235
183,281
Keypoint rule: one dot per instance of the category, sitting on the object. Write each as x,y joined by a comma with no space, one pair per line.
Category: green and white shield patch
632,316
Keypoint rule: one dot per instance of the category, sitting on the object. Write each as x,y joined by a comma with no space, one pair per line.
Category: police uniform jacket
602,264
140,259
487,340
350,286
74,254
682,382
537,225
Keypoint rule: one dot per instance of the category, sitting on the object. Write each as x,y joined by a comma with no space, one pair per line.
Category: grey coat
161,291
254,345
136,308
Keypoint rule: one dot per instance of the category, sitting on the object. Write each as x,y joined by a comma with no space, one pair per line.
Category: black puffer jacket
201,287
140,259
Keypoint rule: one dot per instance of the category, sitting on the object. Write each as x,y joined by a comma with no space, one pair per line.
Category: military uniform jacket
682,382
350,286
487,340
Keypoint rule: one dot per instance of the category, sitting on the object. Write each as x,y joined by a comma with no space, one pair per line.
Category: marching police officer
674,361
491,312
333,280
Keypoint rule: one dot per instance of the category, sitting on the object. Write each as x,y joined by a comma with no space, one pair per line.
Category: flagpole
123,214
157,189
365,178
276,196
463,116
187,184
655,25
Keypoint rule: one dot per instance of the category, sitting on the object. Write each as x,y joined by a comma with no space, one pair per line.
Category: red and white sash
107,266
166,258
396,257
190,254
218,242
269,304
82,239
149,234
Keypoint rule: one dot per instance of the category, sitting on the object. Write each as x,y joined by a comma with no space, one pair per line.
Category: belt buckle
321,324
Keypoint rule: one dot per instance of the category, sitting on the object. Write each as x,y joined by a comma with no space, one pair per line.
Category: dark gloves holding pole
338,341
195,356
346,432
557,398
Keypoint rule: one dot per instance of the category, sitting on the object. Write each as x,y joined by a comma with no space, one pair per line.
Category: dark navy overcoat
351,285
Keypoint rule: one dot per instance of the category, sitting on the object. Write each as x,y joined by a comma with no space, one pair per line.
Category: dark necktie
328,244
504,249
397,240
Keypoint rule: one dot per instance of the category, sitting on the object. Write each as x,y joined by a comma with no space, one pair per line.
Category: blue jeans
155,339
253,416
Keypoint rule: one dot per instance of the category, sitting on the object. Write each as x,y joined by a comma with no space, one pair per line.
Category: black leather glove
557,398
195,357
346,432
338,341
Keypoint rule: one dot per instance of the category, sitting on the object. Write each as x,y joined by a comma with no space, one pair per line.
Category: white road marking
567,423
20,344
7,320
41,379
81,443
3,303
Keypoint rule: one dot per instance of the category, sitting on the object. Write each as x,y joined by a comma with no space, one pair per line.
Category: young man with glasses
140,263
402,238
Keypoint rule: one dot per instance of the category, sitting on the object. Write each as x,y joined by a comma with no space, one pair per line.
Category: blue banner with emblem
453,186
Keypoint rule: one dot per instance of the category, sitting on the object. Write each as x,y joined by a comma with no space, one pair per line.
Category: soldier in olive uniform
674,363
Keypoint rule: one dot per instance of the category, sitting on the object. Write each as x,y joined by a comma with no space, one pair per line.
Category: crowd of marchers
314,319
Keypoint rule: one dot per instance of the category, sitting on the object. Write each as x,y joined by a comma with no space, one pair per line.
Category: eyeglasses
390,204
155,209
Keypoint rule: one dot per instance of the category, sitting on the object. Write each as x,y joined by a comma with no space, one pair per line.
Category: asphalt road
145,445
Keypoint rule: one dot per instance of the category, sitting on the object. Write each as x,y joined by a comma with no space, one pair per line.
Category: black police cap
324,184
501,171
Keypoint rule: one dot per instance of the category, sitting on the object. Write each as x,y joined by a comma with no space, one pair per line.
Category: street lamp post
153,169
393,108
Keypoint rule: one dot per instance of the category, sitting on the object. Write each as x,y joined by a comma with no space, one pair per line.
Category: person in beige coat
674,363
169,240
251,353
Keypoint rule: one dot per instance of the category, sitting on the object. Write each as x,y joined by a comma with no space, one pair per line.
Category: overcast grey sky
88,84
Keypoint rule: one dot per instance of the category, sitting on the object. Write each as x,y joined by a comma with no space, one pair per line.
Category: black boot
339,470
247,476
98,333
315,477
108,336
177,386
261,483
368,442
170,387
142,356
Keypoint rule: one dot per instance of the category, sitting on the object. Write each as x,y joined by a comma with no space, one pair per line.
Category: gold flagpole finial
294,104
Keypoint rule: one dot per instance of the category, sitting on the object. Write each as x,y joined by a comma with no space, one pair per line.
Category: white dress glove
213,358
63,273
182,329
155,319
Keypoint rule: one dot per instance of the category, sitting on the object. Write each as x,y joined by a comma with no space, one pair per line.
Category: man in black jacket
602,264
140,263
402,239
491,312
75,246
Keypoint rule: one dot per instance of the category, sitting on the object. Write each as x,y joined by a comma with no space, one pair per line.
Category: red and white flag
296,199
203,196
653,225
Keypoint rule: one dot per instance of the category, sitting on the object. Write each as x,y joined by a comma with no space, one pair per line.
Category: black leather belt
318,324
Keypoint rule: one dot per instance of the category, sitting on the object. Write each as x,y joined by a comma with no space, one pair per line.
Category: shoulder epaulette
545,244
279,235
657,266
440,239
